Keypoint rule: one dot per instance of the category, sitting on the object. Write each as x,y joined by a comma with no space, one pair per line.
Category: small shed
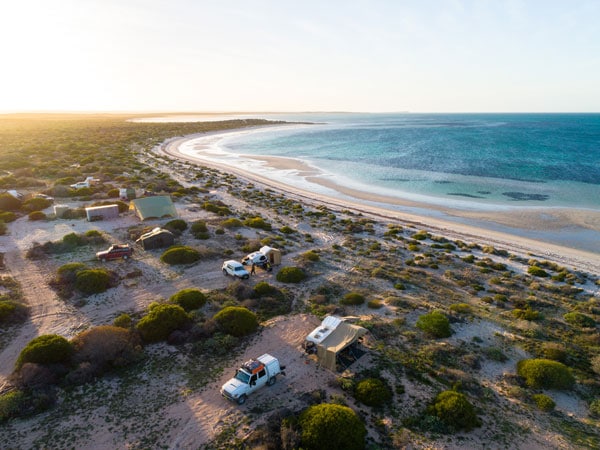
104,212
273,254
127,193
157,238
59,210
331,338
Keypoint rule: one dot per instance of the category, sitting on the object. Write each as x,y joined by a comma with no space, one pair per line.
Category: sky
284,55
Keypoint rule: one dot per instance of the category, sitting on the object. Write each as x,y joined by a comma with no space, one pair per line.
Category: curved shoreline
476,226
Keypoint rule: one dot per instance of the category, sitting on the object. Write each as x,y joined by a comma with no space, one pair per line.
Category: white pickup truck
253,375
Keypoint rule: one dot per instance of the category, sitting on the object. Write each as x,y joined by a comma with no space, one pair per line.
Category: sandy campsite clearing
171,398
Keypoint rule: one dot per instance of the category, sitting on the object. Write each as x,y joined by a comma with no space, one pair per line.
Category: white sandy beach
565,235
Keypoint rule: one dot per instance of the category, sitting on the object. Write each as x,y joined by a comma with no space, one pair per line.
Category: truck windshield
242,376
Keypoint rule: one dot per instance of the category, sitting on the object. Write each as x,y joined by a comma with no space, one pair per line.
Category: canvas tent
331,337
156,238
273,254
153,207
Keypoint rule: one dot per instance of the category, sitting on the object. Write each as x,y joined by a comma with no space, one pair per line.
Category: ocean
466,161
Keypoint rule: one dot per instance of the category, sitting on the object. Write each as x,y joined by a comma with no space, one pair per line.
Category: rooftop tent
273,254
153,207
333,336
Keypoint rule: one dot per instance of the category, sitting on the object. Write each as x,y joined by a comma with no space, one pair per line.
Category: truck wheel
242,399
224,272
271,381
125,256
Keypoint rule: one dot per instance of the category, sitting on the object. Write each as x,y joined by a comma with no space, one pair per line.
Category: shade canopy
153,207
336,340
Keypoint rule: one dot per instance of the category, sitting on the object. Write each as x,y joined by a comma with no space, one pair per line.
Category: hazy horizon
156,57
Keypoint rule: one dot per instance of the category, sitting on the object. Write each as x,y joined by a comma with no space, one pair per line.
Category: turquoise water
468,159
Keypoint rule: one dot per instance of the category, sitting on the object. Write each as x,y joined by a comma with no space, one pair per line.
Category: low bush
595,408
257,222
537,272
287,230
67,273
180,255
7,216
113,193
291,275
36,215
92,281
176,225
454,410
554,351
189,299
237,321
12,311
526,314
232,223
36,204
434,323
579,320
106,346
352,298
161,321
123,321
11,404
374,304
45,349
543,402
311,256
199,227
372,392
461,308
9,203
545,374
221,209
263,288
331,426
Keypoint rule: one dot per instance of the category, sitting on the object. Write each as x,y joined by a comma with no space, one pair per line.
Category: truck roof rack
253,366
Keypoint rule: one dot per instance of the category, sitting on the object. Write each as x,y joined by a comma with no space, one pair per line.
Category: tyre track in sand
48,314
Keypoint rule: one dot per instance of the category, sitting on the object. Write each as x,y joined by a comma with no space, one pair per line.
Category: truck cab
251,376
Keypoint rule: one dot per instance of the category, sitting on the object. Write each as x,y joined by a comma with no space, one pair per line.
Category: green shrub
36,204
91,234
579,320
176,225
92,281
45,349
420,235
526,314
310,255
3,228
236,320
11,404
330,426
199,227
12,311
67,273
7,216
434,323
291,275
36,215
372,392
454,410
189,299
161,321
495,354
73,240
461,308
180,254
220,209
595,408
287,230
545,373
352,298
263,288
257,222
537,271
123,321
113,193
374,304
543,402
232,223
